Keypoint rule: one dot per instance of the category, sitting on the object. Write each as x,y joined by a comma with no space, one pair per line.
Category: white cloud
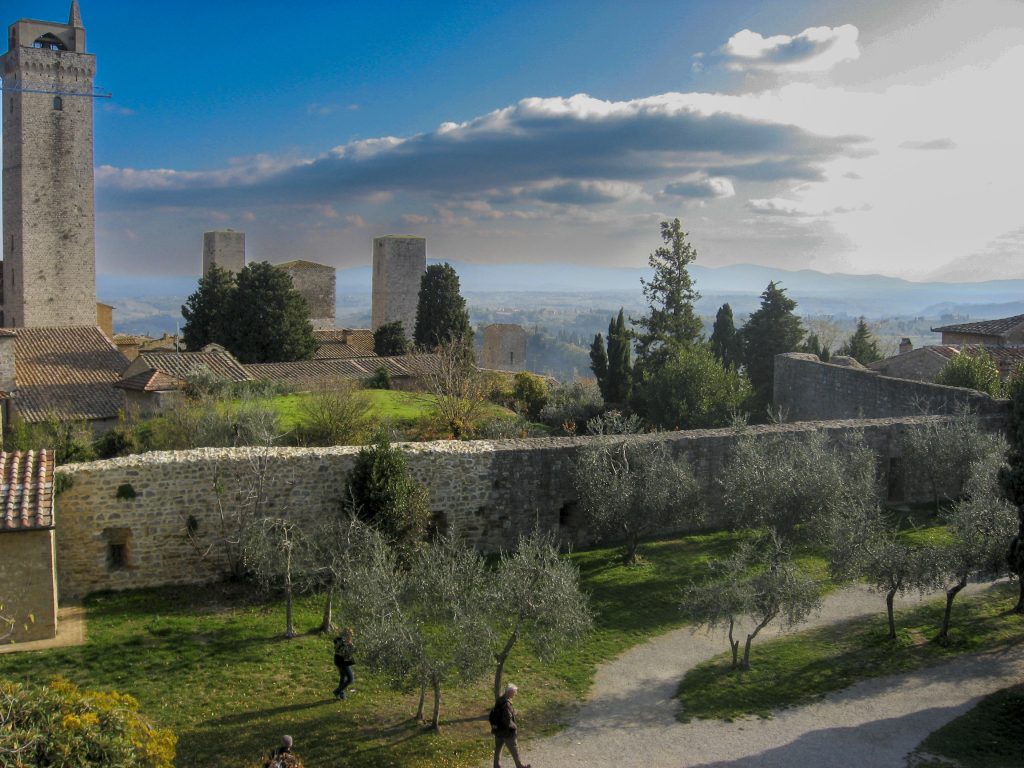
816,49
701,186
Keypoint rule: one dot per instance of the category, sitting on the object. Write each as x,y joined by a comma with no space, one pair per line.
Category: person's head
348,633
511,690
287,741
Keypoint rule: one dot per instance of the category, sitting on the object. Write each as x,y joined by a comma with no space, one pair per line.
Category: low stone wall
806,389
26,584
122,523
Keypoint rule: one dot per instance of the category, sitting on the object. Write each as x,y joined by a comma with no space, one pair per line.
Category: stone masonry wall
48,211
492,491
26,564
316,284
398,266
807,389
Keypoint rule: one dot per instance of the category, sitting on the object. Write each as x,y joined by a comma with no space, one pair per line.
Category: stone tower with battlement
49,247
399,262
225,248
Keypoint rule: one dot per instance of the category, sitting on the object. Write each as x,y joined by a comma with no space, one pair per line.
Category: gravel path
629,720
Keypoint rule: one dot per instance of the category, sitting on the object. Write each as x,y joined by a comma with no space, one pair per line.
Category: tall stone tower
399,262
49,244
225,248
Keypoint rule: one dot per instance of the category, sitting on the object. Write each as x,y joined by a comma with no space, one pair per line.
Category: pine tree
205,311
670,296
599,363
862,346
772,330
441,315
390,340
620,379
269,318
725,342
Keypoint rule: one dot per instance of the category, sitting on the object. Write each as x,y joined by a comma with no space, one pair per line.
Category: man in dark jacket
505,730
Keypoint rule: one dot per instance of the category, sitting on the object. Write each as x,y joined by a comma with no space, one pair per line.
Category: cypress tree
599,364
620,380
725,342
441,315
772,330
205,311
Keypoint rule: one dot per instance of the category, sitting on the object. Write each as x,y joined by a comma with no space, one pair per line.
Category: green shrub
60,725
531,392
381,491
331,416
119,441
973,369
571,406
381,379
70,441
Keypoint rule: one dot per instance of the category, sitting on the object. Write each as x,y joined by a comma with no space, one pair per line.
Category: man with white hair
503,726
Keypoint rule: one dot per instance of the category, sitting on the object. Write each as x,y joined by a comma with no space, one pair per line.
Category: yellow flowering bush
60,726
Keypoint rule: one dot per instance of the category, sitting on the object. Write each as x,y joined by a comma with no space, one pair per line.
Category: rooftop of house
303,264
997,327
342,343
310,374
151,380
66,372
26,490
181,365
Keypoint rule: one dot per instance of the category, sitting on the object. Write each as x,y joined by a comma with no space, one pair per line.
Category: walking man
344,649
503,726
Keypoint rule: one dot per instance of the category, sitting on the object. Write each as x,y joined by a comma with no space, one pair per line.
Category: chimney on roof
905,345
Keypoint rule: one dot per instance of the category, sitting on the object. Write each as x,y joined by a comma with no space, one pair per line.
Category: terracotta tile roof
66,372
303,264
7,332
310,374
341,343
151,381
181,365
26,490
984,327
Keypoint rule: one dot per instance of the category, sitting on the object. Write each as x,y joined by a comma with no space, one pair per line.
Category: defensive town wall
807,389
123,523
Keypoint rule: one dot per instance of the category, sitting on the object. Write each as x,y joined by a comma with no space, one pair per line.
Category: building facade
49,249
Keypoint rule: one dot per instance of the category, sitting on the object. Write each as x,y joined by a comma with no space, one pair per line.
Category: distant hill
148,301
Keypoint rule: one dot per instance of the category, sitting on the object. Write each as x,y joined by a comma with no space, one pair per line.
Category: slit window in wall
895,490
511,358
568,514
438,526
58,103
118,548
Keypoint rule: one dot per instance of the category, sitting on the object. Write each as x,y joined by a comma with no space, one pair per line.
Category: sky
867,137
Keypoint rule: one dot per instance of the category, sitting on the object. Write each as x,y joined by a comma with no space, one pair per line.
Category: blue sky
833,135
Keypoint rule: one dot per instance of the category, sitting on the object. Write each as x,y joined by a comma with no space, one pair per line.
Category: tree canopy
772,330
973,369
862,345
441,315
725,341
670,295
694,390
205,311
619,382
390,340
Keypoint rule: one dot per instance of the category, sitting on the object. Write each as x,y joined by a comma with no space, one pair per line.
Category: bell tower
49,245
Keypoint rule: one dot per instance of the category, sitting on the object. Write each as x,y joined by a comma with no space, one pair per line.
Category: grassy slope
802,668
989,736
401,409
209,663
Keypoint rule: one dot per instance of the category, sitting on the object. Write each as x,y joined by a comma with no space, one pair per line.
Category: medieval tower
225,248
49,247
398,266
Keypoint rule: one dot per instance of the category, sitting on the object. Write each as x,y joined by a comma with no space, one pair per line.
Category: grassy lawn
989,736
801,668
402,410
209,663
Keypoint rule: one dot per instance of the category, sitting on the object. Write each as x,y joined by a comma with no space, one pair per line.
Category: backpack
494,718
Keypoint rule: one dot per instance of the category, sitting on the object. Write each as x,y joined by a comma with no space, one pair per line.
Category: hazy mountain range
151,304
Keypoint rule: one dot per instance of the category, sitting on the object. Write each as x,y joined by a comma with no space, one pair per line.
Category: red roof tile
26,490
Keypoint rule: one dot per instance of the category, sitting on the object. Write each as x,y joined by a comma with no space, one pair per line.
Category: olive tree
275,552
944,450
634,487
864,543
759,581
793,484
979,525
425,625
538,599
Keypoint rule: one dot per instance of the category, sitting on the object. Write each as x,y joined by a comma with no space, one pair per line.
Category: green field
210,663
802,668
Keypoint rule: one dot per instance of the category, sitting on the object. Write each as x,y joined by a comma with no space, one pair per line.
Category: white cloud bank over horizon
907,177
